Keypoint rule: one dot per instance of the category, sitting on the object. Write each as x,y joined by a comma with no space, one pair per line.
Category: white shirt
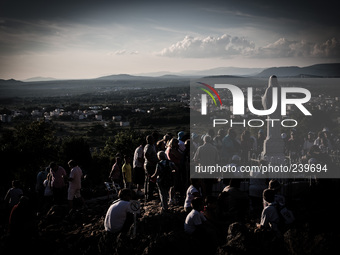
116,215
76,174
139,153
270,217
193,219
190,196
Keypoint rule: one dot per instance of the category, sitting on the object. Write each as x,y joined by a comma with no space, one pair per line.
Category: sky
83,39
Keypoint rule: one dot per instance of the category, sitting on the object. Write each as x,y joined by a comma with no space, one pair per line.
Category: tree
75,148
124,142
28,148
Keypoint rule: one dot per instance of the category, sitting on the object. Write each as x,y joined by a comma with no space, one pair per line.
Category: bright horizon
90,39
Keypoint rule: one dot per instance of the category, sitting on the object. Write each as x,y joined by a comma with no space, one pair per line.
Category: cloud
330,48
119,52
284,48
123,52
223,46
231,46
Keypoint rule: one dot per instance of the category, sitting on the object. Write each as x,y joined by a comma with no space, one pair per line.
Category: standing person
193,191
21,227
279,199
138,171
309,142
41,177
206,154
238,200
260,140
293,146
74,187
173,153
59,177
150,156
196,142
181,146
48,192
195,219
257,185
116,170
217,141
186,167
164,174
246,145
161,144
270,217
230,146
127,172
39,186
197,227
13,195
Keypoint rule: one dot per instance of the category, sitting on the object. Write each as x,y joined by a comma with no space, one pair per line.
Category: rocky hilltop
81,231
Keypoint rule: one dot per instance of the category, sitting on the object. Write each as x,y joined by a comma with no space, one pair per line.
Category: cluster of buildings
93,113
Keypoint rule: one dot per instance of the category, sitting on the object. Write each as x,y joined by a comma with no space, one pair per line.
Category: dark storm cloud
325,12
54,10
321,12
290,15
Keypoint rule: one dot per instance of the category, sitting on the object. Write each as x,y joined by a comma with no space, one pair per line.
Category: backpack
165,178
286,215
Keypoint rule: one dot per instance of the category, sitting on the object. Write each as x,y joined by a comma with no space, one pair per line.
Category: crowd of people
297,147
160,169
53,187
162,166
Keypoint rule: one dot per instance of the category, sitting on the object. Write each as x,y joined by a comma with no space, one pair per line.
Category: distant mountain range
239,71
40,79
10,82
319,70
122,77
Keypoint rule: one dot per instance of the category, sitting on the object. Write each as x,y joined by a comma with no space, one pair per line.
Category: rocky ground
81,232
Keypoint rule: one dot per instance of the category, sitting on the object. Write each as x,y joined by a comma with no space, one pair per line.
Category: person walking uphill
74,183
150,156
164,173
